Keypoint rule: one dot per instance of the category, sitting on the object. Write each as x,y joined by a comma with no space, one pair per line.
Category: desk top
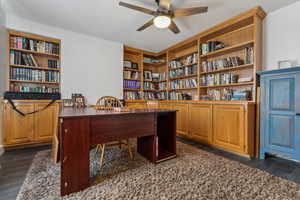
89,112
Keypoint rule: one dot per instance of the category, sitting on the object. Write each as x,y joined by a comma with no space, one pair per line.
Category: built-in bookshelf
34,63
217,64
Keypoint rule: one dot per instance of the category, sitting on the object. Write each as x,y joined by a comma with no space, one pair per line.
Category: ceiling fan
164,15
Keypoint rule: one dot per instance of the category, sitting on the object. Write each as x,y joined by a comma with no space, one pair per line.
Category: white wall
90,65
2,66
282,36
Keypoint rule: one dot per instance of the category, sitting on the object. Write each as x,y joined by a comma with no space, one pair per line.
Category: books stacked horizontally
183,84
34,45
132,95
149,86
211,46
130,65
159,76
151,60
40,89
192,59
162,86
19,58
131,75
34,75
131,84
181,72
219,79
221,63
249,55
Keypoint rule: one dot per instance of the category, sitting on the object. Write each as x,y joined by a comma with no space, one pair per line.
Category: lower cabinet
229,127
200,122
137,105
30,129
182,118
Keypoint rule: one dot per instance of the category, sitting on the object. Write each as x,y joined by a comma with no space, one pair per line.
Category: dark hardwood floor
14,165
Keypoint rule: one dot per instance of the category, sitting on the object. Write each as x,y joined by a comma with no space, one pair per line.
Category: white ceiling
105,19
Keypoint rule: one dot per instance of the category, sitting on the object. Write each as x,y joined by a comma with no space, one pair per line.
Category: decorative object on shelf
68,102
147,75
284,64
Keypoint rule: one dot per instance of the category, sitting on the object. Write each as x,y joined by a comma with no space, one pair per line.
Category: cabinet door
18,129
45,122
200,121
137,105
165,106
280,123
182,118
229,127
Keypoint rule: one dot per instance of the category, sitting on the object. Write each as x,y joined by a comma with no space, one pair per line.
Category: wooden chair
109,103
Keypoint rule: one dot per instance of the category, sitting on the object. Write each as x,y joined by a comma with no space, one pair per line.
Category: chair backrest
109,102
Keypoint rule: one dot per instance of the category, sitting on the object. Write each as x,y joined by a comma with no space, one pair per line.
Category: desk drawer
119,127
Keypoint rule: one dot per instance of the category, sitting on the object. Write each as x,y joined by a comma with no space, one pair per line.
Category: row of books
159,76
130,65
131,75
132,95
226,94
155,95
185,83
221,63
131,84
219,79
53,64
162,95
211,46
162,86
181,72
179,96
19,58
149,86
192,59
249,55
34,45
42,89
34,75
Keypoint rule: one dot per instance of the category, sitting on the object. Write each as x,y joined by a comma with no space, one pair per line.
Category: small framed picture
148,75
68,103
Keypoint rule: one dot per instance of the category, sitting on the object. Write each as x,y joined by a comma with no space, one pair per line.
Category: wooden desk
80,129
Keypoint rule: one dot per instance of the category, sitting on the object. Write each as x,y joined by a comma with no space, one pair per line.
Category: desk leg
75,147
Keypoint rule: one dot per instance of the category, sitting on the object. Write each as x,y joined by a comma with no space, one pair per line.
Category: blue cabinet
280,113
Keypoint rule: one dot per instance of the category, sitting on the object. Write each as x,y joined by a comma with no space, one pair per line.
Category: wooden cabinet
30,129
137,105
229,127
200,122
182,117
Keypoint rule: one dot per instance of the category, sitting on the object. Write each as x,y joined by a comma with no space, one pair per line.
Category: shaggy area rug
194,174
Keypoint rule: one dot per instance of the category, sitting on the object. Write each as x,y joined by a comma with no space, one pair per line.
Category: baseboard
1,149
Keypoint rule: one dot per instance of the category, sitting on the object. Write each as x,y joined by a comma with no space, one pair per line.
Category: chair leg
129,150
98,147
102,155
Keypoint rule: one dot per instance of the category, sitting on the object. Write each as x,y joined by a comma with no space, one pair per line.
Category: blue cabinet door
280,126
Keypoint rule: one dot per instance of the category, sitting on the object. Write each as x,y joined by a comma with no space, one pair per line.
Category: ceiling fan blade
178,13
137,8
174,28
165,4
146,25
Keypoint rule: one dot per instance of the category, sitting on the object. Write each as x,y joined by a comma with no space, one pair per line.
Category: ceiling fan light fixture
162,21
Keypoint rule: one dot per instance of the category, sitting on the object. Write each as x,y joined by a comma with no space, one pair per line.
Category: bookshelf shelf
34,82
154,64
35,52
228,49
183,77
130,79
131,89
228,85
33,67
179,89
228,69
133,70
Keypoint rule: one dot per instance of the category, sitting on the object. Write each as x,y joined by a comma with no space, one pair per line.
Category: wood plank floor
14,165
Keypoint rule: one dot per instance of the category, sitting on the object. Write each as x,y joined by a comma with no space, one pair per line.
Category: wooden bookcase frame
40,57
237,33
